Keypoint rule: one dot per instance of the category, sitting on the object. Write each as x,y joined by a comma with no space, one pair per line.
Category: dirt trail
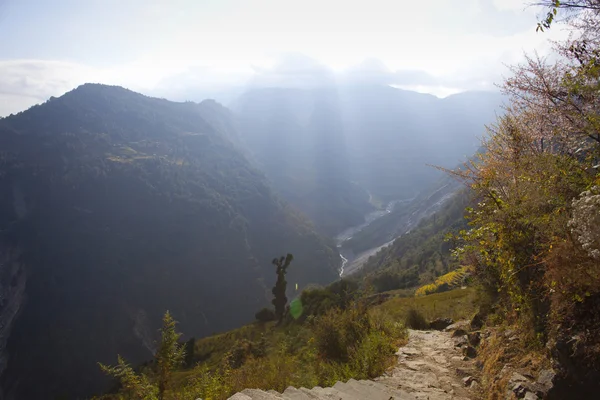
430,367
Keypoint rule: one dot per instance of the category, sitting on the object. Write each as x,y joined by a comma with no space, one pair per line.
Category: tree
572,7
133,385
534,239
265,315
280,300
169,355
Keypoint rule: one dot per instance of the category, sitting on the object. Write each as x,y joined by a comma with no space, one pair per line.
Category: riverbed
350,261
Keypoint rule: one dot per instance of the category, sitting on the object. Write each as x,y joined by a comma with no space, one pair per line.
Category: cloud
293,70
24,83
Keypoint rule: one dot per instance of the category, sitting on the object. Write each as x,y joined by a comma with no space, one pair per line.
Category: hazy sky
184,49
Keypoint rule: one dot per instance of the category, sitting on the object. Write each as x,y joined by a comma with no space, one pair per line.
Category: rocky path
430,367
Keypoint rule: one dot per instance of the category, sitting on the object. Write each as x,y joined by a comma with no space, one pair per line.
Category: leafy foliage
265,315
167,359
533,240
445,282
318,350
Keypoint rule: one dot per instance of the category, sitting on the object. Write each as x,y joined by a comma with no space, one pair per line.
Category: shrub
337,333
415,320
374,355
265,315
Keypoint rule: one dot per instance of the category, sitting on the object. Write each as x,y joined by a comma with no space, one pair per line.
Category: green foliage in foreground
337,340
168,358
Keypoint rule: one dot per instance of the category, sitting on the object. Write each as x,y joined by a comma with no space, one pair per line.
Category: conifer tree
168,357
170,354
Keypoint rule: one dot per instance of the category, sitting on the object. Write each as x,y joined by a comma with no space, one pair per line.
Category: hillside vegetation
534,235
116,207
420,255
334,338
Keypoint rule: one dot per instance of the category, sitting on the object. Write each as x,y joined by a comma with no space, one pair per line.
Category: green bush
337,333
265,315
415,320
373,356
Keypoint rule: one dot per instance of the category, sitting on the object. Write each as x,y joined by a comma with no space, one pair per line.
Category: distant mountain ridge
327,149
116,207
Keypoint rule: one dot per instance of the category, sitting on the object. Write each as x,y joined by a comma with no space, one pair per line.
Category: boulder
546,378
530,396
440,324
459,333
469,351
474,338
464,324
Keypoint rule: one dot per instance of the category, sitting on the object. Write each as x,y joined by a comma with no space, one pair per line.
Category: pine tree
170,354
280,300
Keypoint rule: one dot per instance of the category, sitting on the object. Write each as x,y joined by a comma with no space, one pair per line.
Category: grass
456,304
356,343
212,349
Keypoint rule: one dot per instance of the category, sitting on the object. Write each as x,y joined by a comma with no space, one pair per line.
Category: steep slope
422,253
117,207
324,147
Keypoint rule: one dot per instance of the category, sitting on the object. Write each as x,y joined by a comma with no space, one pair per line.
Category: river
357,260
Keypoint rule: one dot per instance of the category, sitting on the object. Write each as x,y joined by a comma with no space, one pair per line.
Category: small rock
457,325
516,377
509,333
459,332
505,369
468,380
546,378
461,341
474,385
519,389
530,396
469,351
474,338
440,324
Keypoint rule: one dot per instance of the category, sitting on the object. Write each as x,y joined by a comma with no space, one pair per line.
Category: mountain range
115,207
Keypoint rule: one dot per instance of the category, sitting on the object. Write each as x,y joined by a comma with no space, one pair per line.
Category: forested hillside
328,149
117,207
423,253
